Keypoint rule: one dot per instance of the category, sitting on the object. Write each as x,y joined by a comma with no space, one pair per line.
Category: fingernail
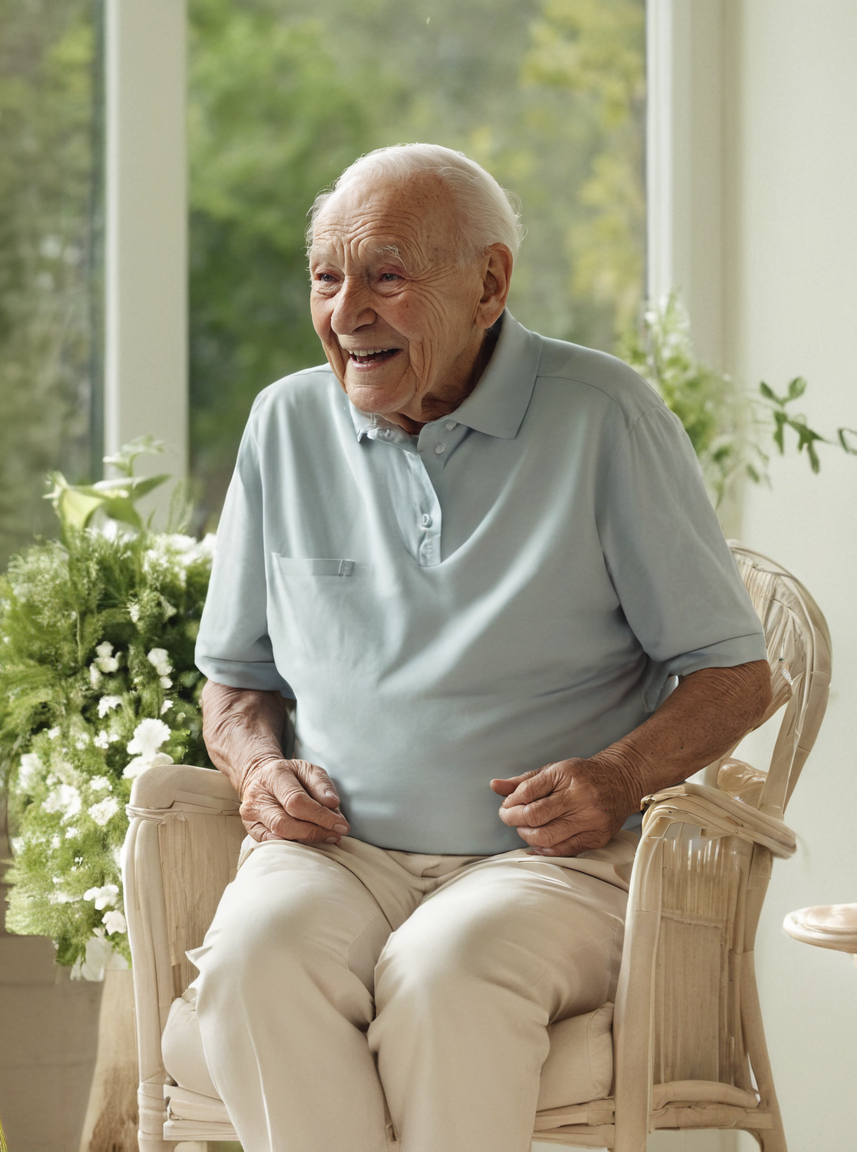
330,792
341,828
332,840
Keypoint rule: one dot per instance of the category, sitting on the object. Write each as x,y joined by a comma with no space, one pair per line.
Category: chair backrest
698,891
799,656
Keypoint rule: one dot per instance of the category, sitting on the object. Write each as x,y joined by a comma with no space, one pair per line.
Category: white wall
790,307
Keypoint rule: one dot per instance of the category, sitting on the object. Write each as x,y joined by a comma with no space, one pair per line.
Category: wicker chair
686,1048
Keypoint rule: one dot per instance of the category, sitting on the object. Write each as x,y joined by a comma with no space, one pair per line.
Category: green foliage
49,228
548,95
76,504
97,635
594,53
729,429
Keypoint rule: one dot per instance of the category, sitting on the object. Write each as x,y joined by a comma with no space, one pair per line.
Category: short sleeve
233,646
673,572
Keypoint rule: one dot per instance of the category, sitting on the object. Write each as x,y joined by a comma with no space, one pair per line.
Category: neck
436,405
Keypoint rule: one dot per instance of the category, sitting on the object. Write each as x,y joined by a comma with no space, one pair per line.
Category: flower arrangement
97,682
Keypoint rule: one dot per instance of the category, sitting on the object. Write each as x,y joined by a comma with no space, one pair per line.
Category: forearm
242,728
706,715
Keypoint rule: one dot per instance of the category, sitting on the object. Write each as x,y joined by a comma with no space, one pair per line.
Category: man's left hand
568,807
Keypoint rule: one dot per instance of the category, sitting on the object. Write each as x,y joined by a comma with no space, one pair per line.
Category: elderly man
477,559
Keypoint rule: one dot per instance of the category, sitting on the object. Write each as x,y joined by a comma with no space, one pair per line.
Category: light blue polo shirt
513,586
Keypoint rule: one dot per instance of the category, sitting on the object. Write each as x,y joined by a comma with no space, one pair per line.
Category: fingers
316,782
526,787
505,787
277,805
556,810
561,838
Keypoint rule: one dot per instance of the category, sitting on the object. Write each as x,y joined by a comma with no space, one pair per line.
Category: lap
513,916
550,931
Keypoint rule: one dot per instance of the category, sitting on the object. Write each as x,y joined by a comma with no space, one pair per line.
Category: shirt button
450,424
440,449
425,520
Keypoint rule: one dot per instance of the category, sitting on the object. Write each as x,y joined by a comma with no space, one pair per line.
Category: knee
248,944
441,967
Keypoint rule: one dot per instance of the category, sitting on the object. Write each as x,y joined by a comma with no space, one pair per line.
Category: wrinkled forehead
415,218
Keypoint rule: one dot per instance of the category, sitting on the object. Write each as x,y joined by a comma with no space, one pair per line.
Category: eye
325,277
389,277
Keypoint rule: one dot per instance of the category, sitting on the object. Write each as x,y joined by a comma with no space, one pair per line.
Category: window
50,256
548,94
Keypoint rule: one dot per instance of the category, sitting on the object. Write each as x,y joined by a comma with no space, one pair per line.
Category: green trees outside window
548,94
50,228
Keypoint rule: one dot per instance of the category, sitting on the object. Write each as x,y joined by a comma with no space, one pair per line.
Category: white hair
487,213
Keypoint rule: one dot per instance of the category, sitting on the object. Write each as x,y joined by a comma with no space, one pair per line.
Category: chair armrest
714,810
180,852
170,785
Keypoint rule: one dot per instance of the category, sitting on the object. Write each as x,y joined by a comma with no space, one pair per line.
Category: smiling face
403,326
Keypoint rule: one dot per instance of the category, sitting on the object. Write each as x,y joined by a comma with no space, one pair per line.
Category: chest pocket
320,613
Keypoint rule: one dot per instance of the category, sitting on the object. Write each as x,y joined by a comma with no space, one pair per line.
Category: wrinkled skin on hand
280,799
291,800
567,807
573,806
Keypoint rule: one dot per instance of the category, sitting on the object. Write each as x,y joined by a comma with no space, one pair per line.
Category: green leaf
769,393
797,387
813,456
780,421
843,434
128,453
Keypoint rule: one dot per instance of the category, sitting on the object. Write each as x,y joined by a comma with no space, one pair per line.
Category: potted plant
97,681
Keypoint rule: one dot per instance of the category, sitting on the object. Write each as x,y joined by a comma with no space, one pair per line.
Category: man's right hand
291,800
281,799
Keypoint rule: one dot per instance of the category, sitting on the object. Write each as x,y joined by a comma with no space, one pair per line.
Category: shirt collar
498,403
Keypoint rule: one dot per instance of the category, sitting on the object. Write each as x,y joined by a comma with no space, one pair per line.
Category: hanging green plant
97,682
731,430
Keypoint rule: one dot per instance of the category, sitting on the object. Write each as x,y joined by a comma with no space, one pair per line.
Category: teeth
369,351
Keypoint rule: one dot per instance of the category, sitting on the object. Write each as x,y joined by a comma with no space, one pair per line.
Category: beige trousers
349,994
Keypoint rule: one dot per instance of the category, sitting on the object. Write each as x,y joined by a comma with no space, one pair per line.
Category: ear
496,277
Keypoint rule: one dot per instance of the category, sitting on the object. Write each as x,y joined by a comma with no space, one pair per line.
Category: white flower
106,661
104,897
114,922
166,706
100,954
134,767
165,682
159,658
134,612
104,811
31,766
102,740
65,799
168,608
53,733
55,842
71,833
107,704
94,676
148,736
81,740
100,783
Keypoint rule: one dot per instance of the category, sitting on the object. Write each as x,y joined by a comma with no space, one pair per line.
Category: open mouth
372,355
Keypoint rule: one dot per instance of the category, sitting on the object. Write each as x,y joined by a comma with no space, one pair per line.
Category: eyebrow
390,250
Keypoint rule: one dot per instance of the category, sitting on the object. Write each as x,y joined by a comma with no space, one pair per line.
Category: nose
352,309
